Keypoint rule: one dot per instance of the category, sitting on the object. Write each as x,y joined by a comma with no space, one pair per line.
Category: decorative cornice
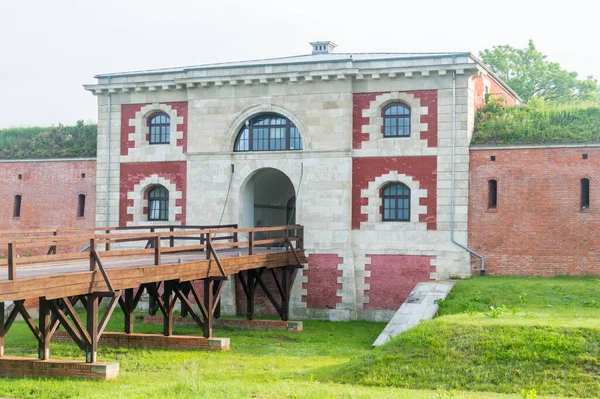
280,78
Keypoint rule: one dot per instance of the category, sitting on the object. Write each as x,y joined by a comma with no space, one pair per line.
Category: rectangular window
81,206
17,208
585,194
492,194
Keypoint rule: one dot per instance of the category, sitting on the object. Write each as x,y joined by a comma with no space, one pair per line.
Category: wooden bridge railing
100,243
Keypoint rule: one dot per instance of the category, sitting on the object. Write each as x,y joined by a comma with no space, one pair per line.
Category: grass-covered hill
77,141
537,123
519,335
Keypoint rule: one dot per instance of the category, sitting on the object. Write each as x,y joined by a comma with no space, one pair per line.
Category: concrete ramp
420,305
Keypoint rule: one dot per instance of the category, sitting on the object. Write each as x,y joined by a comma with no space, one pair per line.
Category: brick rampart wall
538,226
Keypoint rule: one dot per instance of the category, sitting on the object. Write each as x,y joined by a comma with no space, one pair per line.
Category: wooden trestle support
163,296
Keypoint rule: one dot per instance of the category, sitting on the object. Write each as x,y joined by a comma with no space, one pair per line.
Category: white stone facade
318,98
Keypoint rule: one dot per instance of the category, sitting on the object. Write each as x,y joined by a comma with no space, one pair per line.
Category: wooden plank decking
68,274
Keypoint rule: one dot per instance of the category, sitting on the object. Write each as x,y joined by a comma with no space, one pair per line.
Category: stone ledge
153,341
13,366
292,326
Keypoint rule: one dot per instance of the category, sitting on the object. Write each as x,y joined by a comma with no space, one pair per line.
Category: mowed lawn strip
500,334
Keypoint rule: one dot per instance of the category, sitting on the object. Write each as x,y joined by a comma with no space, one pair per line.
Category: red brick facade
495,90
128,112
538,226
361,102
422,169
322,284
393,277
134,173
49,193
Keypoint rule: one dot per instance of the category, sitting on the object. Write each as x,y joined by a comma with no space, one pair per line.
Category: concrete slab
419,305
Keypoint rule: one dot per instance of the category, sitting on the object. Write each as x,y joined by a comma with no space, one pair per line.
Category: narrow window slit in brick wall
492,194
17,207
20,177
584,156
493,158
81,206
585,194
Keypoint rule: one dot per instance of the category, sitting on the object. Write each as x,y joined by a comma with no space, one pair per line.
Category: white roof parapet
307,68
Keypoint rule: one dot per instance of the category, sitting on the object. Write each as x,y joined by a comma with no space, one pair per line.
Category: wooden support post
169,308
157,250
12,261
184,288
92,258
91,353
152,305
171,238
300,242
208,244
2,332
285,298
251,243
251,281
45,330
208,303
216,288
128,311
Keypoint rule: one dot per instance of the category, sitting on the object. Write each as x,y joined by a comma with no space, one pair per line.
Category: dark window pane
159,126
396,202
269,132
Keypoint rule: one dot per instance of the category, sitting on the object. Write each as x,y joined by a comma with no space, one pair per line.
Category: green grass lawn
500,334
261,364
549,344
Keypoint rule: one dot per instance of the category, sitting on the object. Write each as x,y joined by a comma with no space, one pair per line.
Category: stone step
419,305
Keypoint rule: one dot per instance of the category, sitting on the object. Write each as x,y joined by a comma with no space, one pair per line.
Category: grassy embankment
497,334
545,338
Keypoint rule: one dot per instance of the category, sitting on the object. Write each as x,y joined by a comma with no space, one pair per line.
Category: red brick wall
133,173
128,112
322,285
393,277
495,90
538,227
49,194
361,101
422,169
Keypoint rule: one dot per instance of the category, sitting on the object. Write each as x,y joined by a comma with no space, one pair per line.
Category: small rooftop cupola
325,47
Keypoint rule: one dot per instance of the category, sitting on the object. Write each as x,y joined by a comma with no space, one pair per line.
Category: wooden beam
108,313
91,352
67,324
169,308
45,330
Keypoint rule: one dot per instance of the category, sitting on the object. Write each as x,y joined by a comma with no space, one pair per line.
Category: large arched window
268,132
160,128
396,120
396,203
158,203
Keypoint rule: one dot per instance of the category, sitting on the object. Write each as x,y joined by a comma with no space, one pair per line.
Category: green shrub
536,123
77,141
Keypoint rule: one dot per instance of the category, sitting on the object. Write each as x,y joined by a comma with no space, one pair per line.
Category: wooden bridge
119,265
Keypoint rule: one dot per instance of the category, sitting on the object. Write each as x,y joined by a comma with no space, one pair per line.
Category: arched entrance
269,199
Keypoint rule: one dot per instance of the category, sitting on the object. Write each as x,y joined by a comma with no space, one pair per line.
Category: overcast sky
48,49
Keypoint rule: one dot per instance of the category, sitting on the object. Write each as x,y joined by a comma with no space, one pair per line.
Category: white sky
48,49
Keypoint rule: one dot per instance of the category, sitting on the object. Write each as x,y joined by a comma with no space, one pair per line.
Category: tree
531,75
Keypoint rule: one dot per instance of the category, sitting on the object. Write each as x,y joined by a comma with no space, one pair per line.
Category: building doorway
269,199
